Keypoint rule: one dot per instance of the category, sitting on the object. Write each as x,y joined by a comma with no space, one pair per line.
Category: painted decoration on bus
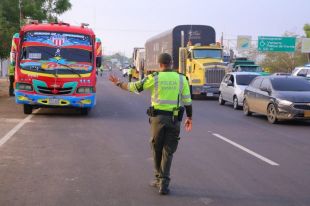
48,51
58,39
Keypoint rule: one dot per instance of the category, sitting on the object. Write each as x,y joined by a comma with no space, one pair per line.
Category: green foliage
283,62
33,9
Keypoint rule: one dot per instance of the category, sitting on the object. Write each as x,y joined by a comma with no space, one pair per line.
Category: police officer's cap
164,58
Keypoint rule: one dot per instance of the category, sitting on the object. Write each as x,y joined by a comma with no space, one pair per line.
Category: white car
302,71
233,85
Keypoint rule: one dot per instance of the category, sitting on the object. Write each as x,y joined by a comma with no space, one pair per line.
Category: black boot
163,190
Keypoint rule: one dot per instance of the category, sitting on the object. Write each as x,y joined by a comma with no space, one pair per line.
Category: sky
125,24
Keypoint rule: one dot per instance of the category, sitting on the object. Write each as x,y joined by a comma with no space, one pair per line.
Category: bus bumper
87,101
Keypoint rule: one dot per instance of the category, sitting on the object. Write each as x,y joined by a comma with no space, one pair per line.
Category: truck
138,58
243,64
195,54
55,66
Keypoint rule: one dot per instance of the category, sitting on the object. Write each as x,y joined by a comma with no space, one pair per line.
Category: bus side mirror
98,61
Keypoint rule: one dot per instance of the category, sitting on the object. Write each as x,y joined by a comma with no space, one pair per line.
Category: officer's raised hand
114,79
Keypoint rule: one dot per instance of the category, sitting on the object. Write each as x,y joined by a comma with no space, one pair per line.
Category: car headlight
85,90
284,102
24,86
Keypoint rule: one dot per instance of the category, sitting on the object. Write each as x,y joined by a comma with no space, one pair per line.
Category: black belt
162,112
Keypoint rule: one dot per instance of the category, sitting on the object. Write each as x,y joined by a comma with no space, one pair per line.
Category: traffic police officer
12,79
12,63
169,90
130,72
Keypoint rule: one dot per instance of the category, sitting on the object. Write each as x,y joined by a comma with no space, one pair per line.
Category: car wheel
235,103
27,109
246,108
272,114
221,100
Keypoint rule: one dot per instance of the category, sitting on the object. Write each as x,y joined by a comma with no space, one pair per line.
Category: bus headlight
24,86
85,90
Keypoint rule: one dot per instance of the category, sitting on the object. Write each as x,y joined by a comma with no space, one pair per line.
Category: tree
307,30
34,9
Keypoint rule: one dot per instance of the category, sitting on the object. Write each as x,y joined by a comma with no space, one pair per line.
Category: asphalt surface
58,157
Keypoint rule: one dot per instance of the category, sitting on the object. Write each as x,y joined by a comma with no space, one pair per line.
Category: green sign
276,44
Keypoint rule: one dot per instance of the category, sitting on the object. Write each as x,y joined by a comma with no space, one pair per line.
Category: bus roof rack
84,25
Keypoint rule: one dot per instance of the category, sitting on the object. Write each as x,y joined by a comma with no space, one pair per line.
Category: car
303,71
232,87
278,97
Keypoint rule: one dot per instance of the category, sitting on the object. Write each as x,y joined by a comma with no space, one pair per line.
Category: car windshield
45,53
207,53
290,84
48,52
245,79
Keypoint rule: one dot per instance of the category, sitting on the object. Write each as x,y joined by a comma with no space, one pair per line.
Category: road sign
305,46
276,44
244,42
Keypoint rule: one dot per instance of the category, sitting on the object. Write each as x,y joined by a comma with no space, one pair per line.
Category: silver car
232,87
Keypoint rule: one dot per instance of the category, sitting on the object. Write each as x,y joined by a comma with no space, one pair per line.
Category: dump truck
195,53
243,64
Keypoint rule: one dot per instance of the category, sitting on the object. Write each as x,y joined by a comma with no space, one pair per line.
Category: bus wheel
84,111
27,109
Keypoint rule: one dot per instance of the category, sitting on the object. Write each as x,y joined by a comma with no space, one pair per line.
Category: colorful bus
56,66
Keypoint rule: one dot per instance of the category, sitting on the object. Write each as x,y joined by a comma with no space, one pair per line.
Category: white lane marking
246,150
8,136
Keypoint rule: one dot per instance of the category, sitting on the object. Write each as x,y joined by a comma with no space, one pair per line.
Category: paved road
59,158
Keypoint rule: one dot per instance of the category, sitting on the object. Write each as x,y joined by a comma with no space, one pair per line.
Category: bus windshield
207,53
49,51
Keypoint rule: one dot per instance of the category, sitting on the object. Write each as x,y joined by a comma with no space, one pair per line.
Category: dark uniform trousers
129,77
11,87
164,142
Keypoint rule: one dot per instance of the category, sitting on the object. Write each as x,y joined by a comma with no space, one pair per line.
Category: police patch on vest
168,85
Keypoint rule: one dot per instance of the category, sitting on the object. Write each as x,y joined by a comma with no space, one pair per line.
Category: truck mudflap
88,101
206,90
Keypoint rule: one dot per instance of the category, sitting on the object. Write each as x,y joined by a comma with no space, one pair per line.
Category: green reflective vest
11,70
169,89
130,71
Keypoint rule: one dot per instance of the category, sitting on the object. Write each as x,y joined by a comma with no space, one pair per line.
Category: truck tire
141,75
27,109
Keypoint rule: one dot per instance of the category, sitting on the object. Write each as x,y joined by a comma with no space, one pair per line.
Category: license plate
53,101
210,94
307,113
